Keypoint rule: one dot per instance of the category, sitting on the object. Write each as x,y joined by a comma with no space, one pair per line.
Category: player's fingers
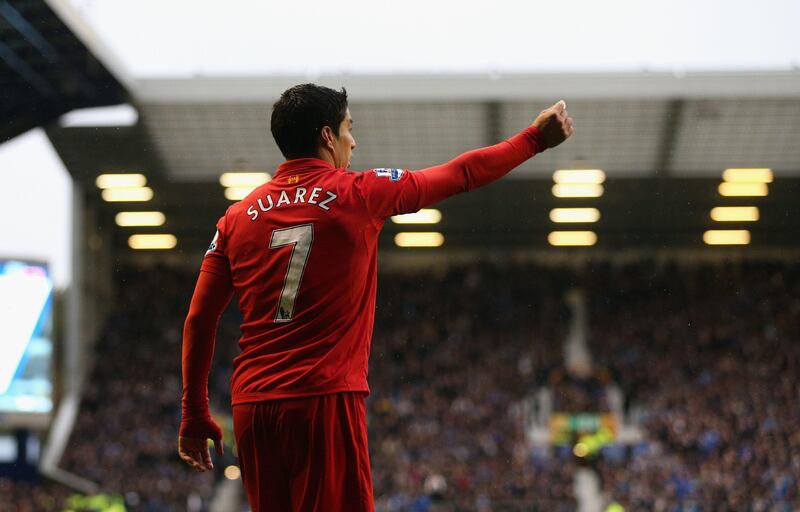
560,106
193,457
189,459
206,459
199,464
218,446
184,455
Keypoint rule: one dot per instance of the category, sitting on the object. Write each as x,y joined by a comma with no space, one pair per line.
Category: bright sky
262,37
36,204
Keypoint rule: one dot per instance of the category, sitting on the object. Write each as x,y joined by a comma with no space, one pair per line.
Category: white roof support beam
364,88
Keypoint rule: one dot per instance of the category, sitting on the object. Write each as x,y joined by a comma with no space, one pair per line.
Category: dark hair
301,113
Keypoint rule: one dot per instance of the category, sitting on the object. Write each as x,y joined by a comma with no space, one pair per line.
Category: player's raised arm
404,192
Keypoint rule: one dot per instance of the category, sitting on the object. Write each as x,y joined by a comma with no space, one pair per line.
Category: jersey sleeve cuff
534,137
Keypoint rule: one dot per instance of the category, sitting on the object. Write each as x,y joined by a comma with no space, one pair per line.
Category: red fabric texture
307,332
305,454
211,296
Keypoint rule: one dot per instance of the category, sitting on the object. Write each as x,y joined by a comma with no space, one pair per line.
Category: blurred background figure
612,327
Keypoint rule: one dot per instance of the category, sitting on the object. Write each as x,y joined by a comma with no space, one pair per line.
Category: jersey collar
303,165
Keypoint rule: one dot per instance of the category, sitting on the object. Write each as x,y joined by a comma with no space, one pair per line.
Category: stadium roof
45,70
664,157
662,137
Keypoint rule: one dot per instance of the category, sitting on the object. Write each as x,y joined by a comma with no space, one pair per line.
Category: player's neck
327,156
328,159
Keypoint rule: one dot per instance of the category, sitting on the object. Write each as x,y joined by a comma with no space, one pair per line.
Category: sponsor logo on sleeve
392,174
213,246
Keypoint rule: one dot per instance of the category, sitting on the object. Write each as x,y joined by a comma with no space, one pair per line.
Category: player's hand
193,448
554,124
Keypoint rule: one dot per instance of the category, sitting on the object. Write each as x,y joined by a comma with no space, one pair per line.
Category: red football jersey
301,254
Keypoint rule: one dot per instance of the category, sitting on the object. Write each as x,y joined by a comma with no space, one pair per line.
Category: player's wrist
199,428
196,413
534,135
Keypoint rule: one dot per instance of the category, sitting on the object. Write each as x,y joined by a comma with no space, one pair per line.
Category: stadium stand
709,353
704,353
453,360
124,438
457,438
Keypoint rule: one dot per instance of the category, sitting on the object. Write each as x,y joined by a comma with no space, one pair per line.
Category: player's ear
327,137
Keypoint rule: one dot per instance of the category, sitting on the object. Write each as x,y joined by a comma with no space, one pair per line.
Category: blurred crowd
125,435
578,390
31,496
453,358
710,355
707,356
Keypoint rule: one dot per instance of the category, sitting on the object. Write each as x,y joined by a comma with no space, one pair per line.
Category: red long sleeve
211,296
478,167
387,192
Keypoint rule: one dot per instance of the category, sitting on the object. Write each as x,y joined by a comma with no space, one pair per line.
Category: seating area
453,358
126,433
710,354
707,355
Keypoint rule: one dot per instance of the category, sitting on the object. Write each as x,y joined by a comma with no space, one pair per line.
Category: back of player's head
301,113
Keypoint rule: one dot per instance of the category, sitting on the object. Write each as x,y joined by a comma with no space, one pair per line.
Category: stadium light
580,450
237,193
735,214
128,219
232,472
419,239
572,238
244,179
595,176
761,175
152,241
577,190
120,181
424,216
574,215
726,237
138,194
731,189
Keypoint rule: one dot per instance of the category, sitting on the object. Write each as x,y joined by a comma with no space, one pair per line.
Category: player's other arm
482,166
211,296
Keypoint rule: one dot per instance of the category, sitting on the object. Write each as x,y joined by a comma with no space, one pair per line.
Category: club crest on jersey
392,174
213,246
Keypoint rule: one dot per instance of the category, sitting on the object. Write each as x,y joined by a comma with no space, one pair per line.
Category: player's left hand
555,124
194,450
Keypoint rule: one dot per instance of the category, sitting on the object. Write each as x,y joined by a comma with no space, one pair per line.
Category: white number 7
301,237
